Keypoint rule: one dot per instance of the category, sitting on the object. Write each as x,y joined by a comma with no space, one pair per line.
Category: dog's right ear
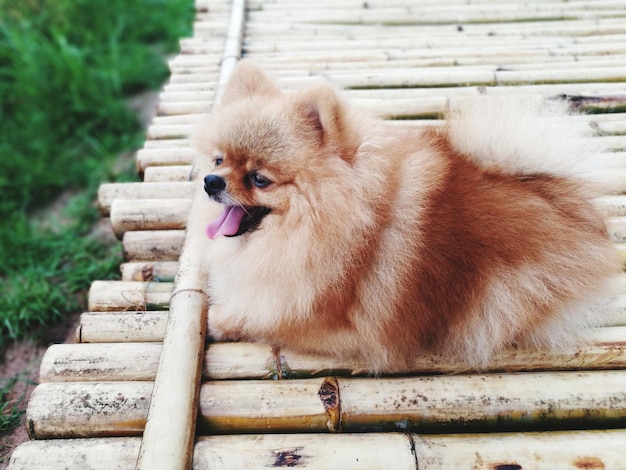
247,80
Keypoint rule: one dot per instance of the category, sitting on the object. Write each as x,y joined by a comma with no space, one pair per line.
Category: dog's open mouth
236,220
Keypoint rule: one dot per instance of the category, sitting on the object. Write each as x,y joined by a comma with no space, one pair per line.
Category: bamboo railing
140,388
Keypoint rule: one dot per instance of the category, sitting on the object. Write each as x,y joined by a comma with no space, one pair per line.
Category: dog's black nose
213,184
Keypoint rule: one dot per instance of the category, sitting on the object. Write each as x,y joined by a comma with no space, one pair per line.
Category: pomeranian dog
345,235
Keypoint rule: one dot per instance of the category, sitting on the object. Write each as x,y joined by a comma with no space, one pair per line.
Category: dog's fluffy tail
528,135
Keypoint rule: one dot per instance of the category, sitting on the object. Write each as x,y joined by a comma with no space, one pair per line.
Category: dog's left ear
247,80
325,116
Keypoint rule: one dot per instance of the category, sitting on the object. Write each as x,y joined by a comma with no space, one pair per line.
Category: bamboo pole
75,409
148,214
159,271
150,245
531,451
102,361
159,157
109,192
553,450
454,403
170,428
136,326
174,108
119,453
173,173
106,296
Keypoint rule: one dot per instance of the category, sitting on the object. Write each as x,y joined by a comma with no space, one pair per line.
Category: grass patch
67,68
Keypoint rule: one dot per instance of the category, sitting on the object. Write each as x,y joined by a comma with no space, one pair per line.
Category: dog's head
269,148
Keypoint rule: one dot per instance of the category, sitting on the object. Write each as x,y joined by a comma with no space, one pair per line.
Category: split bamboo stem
102,361
170,429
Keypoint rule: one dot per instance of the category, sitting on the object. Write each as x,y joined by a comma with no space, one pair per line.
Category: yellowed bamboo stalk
549,450
150,245
189,96
148,214
491,402
174,108
167,174
107,361
160,271
116,327
457,14
108,192
157,132
85,410
159,157
118,453
102,361
170,428
553,450
106,296
617,229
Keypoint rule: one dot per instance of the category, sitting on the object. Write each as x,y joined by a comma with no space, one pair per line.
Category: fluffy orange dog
344,235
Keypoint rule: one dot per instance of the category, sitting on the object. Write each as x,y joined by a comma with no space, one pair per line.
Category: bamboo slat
160,271
485,402
149,245
105,296
107,193
553,450
103,327
148,214
104,361
173,173
158,157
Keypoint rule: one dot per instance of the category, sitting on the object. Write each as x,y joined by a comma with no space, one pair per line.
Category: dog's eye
258,180
218,160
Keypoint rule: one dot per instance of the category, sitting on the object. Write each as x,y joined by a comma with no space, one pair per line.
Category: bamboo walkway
140,389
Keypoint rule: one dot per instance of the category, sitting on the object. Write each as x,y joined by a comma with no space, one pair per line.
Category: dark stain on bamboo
329,395
589,463
288,457
507,466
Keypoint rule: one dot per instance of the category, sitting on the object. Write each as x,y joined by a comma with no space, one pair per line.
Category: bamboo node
329,395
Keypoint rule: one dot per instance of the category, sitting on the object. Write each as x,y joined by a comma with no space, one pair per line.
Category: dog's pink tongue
227,223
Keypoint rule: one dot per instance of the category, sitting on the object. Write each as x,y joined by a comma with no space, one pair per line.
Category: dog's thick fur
384,243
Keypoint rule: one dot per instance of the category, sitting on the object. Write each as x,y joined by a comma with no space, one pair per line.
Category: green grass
66,70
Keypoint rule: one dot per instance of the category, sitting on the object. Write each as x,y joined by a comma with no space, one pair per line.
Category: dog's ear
247,80
325,116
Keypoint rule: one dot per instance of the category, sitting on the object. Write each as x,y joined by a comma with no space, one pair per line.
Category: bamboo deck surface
142,389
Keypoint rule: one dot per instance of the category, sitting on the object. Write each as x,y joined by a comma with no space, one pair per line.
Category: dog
344,235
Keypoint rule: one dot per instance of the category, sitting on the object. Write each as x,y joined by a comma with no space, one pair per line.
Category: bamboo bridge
142,388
